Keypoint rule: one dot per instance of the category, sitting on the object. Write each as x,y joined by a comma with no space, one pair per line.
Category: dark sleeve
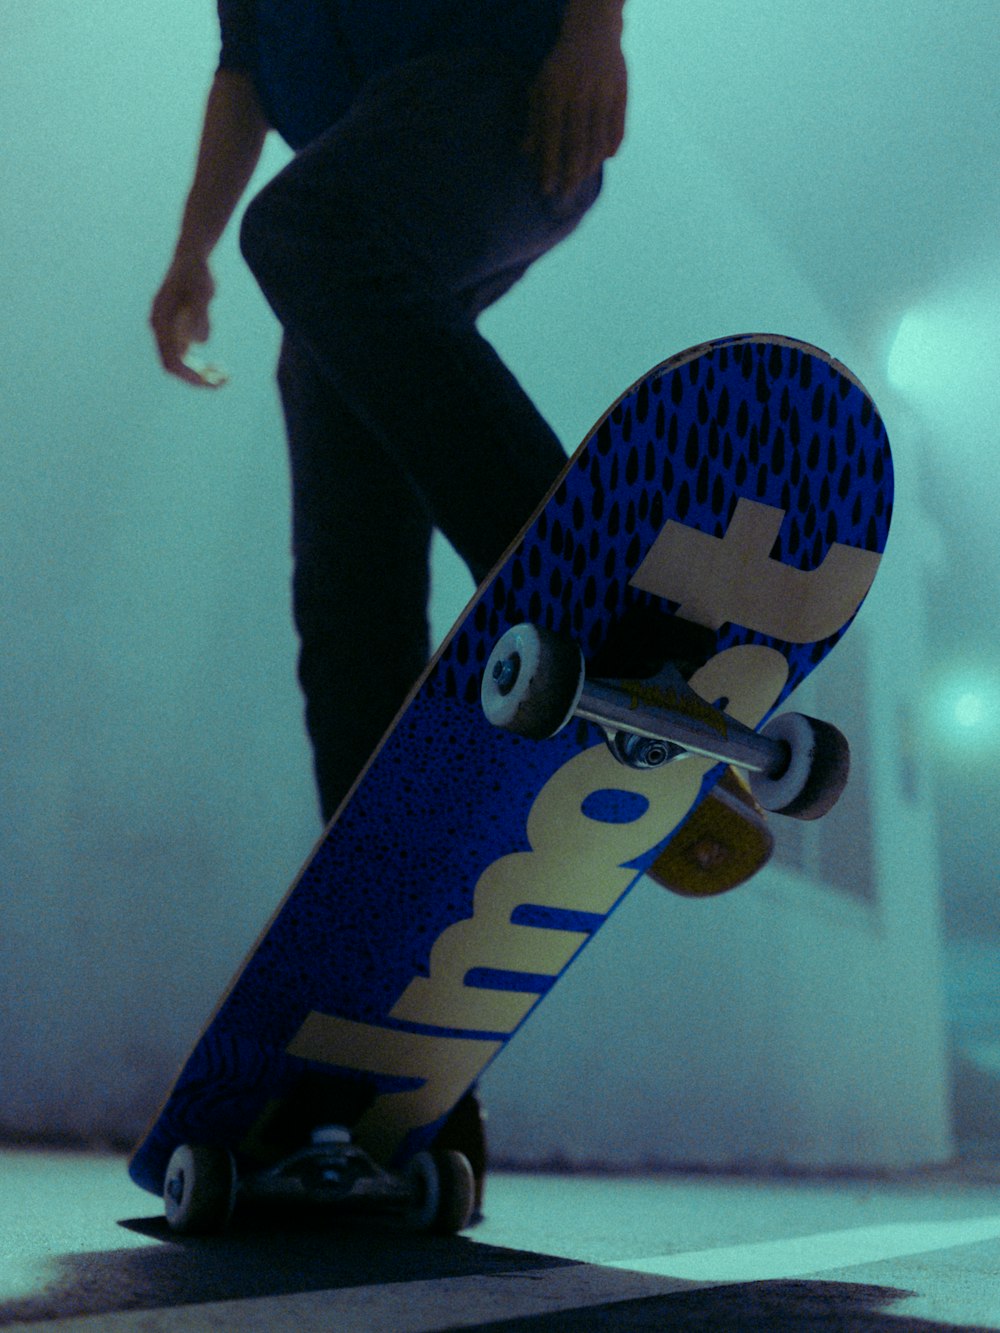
238,22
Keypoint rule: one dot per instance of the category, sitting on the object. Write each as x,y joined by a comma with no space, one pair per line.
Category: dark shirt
309,58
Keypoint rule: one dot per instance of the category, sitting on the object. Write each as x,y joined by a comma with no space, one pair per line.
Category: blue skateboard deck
744,485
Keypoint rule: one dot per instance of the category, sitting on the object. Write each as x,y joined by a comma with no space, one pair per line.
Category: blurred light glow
914,350
943,357
965,710
970,710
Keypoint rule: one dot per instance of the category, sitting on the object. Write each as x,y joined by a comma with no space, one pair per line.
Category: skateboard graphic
724,842
702,551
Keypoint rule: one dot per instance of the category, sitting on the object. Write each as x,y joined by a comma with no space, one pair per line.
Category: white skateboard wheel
199,1189
445,1191
532,682
422,1175
457,1191
819,762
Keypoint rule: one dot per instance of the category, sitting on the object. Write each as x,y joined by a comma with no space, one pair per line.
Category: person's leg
378,248
360,543
374,247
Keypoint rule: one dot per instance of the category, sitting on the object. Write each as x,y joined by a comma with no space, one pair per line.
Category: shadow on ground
256,1257
260,1257
745,1307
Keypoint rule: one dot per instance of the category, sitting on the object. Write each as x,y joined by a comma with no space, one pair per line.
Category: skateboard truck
535,683
434,1192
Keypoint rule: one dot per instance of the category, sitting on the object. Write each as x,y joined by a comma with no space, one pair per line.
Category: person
419,194
441,148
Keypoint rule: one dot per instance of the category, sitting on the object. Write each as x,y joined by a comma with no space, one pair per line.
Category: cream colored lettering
488,939
733,578
578,863
575,863
444,1063
541,878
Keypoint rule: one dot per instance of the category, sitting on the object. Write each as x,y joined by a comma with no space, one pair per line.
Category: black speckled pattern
759,417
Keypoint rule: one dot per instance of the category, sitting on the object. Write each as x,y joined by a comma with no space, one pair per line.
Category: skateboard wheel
532,682
199,1189
818,766
445,1190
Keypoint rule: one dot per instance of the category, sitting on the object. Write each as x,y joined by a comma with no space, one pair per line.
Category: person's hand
576,114
179,317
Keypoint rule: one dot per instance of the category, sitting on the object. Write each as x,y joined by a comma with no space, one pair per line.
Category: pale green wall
813,169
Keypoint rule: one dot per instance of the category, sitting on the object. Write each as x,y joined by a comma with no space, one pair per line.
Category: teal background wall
827,171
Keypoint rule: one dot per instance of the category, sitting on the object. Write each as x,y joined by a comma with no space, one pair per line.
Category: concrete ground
81,1250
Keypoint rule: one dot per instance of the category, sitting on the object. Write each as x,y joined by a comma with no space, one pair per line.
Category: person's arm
231,142
577,104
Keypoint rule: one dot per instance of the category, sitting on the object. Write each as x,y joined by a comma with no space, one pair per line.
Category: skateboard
703,550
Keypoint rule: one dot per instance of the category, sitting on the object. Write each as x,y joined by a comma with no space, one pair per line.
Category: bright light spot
970,710
943,358
964,710
915,350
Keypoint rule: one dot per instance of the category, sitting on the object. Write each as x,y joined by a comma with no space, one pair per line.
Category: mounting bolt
642,751
506,672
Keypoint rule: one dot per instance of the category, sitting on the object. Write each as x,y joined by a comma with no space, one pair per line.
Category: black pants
378,247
